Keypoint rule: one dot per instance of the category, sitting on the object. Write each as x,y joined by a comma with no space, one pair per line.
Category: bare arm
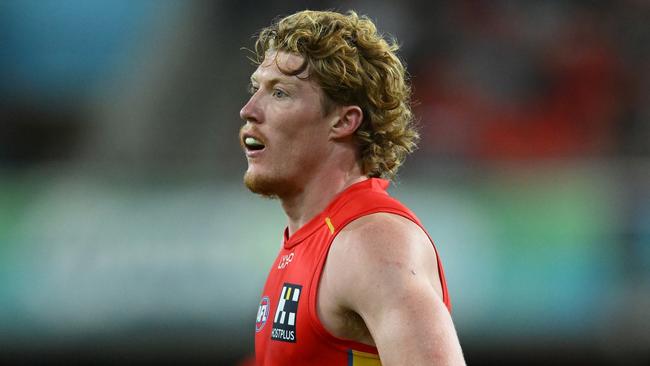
383,267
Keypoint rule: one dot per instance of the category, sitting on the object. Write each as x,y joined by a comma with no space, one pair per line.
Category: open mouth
252,143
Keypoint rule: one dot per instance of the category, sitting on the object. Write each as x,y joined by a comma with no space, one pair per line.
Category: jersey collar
319,220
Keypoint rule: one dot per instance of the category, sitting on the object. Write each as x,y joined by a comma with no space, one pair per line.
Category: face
285,136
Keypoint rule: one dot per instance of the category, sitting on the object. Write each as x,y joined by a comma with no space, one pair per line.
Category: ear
346,121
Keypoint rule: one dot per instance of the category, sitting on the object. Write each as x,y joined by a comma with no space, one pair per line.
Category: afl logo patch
262,313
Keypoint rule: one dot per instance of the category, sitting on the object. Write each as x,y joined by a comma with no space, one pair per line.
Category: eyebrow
275,80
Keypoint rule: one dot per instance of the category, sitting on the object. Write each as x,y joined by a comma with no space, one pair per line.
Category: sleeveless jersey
288,330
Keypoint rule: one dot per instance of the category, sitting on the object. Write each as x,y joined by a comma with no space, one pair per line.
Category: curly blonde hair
354,65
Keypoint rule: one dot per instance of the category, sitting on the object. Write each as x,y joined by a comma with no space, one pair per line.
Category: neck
316,194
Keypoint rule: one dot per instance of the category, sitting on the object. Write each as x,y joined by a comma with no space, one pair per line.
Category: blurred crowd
496,80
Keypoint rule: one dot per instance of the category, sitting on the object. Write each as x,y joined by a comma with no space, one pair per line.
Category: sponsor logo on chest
285,319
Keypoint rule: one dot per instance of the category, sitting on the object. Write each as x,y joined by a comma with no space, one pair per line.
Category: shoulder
381,223
381,252
382,235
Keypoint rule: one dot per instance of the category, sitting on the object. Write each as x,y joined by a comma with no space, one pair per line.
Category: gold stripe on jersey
358,358
329,225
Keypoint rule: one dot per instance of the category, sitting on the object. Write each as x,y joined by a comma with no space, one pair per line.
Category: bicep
411,325
391,280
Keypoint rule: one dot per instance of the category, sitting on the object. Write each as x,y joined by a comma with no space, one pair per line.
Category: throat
315,196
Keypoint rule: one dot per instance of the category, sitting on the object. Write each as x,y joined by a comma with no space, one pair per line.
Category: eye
278,93
252,89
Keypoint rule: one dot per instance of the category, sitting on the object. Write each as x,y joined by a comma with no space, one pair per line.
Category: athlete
357,280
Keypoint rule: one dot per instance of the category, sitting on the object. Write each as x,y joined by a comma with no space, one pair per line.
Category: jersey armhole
312,300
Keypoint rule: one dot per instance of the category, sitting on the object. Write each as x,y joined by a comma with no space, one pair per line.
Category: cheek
303,135
300,150
314,136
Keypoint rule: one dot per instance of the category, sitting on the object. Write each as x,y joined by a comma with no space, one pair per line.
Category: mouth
252,143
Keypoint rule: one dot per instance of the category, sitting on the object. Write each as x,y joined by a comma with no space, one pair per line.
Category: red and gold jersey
288,331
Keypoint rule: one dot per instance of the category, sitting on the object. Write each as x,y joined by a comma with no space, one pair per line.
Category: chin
272,187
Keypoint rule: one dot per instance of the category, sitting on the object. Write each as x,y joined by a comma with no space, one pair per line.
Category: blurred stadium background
127,237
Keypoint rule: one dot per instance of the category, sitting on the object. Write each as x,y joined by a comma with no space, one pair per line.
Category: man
357,279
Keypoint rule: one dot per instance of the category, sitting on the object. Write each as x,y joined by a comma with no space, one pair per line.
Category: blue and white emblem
262,313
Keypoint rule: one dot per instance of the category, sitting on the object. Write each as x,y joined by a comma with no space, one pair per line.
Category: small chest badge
262,313
285,261
285,319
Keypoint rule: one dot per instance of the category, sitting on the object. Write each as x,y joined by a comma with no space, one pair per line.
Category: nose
250,112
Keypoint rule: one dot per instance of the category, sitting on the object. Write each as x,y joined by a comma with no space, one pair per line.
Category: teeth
251,141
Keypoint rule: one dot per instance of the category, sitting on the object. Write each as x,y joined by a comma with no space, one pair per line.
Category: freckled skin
285,111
